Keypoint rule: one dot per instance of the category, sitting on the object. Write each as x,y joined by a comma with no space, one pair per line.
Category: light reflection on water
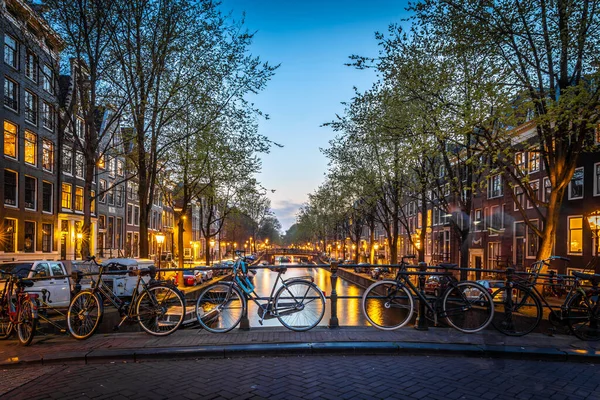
349,312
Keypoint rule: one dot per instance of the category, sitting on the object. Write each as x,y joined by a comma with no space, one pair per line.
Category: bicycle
298,304
157,306
389,304
19,311
519,304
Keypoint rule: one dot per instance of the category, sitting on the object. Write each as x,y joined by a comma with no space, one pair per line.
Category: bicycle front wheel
387,305
83,317
299,305
220,307
522,317
160,310
26,324
468,307
583,317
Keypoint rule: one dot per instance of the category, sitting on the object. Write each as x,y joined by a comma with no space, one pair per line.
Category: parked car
379,272
191,277
435,285
52,277
491,285
207,274
361,268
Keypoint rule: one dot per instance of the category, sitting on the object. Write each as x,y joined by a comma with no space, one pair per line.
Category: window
29,243
477,220
30,192
535,189
596,175
136,215
120,169
110,196
92,202
534,161
575,237
47,195
48,155
547,189
66,195
532,241
10,139
129,214
47,116
496,219
31,66
80,128
30,147
11,94
67,161
47,78
576,185
102,189
520,196
78,198
47,239
102,222
79,164
31,107
11,52
120,195
10,188
111,167
493,255
118,233
10,235
102,162
521,162
495,186
110,232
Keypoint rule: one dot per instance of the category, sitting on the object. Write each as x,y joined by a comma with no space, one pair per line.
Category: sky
312,41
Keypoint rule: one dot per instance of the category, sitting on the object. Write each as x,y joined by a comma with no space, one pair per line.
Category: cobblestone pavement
313,377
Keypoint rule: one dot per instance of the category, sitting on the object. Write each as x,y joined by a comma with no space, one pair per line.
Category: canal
349,311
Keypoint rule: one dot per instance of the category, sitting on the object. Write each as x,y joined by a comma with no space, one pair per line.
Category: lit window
29,243
576,185
93,202
10,235
78,198
66,195
30,147
575,239
521,162
102,162
10,139
534,161
48,155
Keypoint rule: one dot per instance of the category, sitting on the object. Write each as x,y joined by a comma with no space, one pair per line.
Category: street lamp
160,239
594,221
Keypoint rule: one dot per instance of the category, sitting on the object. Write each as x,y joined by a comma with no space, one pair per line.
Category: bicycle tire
387,305
299,305
220,307
6,326
525,315
584,322
468,307
84,314
26,324
160,310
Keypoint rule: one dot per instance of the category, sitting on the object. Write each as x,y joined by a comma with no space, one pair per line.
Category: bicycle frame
13,309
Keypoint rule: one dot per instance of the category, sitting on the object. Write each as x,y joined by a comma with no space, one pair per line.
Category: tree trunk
551,224
181,261
423,233
464,256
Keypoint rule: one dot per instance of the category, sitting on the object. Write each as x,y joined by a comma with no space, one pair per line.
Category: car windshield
21,269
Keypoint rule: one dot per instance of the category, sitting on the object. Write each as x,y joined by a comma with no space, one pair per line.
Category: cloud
286,211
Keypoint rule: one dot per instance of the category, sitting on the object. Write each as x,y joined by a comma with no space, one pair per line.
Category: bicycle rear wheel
524,315
83,317
584,317
220,307
299,305
6,326
160,310
26,324
468,307
387,305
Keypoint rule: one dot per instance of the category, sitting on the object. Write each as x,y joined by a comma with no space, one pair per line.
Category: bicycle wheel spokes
160,310
220,308
387,305
26,324
517,315
584,317
299,306
6,326
84,315
468,307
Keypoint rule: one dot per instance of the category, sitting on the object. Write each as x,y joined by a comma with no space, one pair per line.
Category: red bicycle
18,309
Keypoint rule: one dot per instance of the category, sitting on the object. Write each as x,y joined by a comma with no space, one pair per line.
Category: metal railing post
333,320
421,324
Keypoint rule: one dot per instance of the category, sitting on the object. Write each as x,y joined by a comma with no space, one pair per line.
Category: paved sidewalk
195,343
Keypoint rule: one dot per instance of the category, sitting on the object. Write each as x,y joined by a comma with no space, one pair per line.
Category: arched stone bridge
295,255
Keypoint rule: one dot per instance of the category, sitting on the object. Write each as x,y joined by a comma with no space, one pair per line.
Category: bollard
333,321
421,324
245,322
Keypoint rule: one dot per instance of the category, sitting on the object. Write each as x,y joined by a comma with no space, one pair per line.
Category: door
62,288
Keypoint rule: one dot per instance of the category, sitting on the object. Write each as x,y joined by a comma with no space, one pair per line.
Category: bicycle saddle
595,278
24,283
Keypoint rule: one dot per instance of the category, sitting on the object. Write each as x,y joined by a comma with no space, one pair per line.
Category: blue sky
311,40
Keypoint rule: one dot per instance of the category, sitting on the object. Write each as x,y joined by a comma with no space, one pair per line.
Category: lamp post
78,243
594,221
160,239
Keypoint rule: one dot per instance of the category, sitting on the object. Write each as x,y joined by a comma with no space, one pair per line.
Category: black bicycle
466,306
298,304
158,307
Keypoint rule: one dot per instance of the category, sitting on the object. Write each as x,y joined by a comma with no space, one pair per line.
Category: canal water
349,311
